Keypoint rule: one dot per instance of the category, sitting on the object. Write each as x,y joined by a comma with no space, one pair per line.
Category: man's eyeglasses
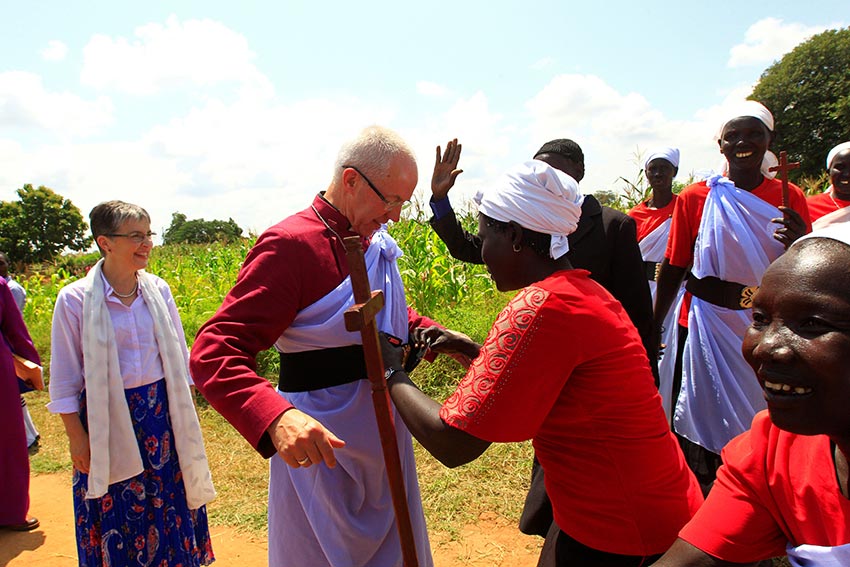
388,205
136,237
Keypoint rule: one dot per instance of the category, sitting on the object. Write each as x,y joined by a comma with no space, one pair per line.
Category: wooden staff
783,168
361,317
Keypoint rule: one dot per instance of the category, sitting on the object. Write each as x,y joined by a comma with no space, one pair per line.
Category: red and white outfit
826,209
727,233
653,230
776,492
564,366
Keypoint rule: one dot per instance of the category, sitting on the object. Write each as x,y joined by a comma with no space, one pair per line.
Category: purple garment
14,459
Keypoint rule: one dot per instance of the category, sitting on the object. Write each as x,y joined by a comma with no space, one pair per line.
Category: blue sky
224,109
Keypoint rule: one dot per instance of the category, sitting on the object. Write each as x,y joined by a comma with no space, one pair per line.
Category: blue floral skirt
142,521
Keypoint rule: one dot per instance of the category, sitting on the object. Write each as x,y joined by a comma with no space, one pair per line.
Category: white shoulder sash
835,217
654,245
720,394
322,325
815,555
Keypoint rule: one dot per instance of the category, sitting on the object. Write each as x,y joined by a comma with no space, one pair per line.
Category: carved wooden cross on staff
361,317
782,169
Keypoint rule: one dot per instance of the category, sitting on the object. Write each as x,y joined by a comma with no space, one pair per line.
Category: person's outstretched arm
462,245
420,413
683,554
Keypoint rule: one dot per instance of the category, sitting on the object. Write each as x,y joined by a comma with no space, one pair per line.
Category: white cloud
55,51
769,39
25,103
615,129
427,88
543,63
173,55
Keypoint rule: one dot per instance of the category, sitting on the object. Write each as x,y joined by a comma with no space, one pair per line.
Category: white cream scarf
114,449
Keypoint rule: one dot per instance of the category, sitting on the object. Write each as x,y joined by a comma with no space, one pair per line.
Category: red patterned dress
564,366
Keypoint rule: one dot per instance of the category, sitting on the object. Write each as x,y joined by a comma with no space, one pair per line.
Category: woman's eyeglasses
136,237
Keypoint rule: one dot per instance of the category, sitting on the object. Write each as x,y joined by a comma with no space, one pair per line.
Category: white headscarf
670,154
835,151
537,197
756,110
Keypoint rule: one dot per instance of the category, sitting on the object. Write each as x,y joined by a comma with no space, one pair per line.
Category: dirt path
492,542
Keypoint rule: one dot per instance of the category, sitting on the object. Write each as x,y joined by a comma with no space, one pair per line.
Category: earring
517,247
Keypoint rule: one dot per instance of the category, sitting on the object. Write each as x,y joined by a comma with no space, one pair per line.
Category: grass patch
452,498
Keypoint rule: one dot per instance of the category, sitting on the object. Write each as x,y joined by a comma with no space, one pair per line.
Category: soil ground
492,542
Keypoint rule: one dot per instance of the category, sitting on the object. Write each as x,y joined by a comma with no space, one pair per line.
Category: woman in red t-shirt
784,486
563,366
837,197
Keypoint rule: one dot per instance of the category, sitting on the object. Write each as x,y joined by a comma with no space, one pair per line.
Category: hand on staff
445,341
302,441
793,226
445,170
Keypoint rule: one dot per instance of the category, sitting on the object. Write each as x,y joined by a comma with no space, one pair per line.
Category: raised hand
445,170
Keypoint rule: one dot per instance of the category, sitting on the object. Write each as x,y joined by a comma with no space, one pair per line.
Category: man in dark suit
604,243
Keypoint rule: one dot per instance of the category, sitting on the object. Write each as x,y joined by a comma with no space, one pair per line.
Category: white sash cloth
818,556
652,249
835,217
114,449
344,516
720,394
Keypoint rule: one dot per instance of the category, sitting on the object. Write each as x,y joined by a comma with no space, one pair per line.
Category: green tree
808,91
607,198
200,231
40,225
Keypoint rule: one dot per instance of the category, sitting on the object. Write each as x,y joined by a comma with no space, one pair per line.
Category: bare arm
78,440
683,554
462,245
669,280
421,414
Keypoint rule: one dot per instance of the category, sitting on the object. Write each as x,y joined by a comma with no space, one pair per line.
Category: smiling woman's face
743,142
799,341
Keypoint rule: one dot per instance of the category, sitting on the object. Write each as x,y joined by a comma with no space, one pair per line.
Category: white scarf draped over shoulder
114,450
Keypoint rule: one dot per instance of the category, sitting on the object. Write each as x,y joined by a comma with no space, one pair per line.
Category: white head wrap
670,154
756,110
835,151
537,197
839,231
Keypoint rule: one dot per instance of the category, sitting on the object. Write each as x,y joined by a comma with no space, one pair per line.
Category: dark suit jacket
604,243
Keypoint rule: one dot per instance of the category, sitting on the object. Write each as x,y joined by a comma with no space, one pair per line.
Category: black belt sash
319,369
651,269
731,295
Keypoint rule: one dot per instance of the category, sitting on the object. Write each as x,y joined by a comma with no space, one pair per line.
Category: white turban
756,110
537,197
670,154
835,151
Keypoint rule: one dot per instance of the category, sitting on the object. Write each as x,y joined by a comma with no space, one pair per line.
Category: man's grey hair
372,151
